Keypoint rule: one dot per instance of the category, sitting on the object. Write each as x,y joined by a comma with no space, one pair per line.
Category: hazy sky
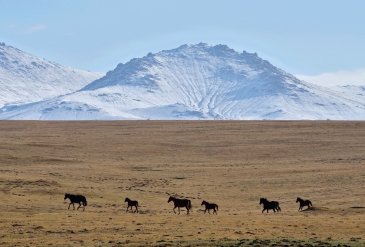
302,37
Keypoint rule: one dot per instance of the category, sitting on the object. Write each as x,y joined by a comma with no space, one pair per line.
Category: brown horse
273,205
303,203
81,200
209,206
180,203
131,204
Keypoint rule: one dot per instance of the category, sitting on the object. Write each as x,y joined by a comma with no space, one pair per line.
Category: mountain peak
198,81
218,49
202,47
222,62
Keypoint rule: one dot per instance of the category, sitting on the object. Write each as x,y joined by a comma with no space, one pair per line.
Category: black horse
209,206
180,203
131,204
273,205
81,200
303,203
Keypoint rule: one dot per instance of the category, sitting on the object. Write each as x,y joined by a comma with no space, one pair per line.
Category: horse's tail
310,203
85,202
216,206
278,207
189,204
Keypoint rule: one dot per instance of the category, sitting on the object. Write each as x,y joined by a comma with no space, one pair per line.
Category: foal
303,203
209,206
131,204
81,200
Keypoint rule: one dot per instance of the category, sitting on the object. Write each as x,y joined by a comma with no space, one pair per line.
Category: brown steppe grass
231,163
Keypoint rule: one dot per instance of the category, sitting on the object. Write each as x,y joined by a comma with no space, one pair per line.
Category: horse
180,203
131,204
209,206
274,205
303,203
81,200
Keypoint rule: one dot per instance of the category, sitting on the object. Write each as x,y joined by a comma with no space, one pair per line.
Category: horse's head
263,200
66,196
203,203
171,199
298,199
126,199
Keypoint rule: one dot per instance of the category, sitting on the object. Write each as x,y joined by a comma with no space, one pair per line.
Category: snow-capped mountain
195,82
25,78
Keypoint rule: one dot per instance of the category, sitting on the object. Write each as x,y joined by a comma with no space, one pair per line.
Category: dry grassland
230,163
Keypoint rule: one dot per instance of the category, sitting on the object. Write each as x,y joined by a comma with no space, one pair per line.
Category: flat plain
231,163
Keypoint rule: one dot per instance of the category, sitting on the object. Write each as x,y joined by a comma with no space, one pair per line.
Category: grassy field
230,163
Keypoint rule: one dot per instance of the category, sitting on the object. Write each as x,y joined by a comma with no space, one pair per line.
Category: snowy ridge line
197,82
25,78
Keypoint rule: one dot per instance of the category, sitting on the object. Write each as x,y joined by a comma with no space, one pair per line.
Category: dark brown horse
273,205
81,200
131,204
180,203
303,203
209,206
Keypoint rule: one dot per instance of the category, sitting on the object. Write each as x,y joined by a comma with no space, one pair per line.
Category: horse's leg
274,210
79,206
208,211
136,209
215,211
205,210
127,209
174,209
69,205
263,210
73,204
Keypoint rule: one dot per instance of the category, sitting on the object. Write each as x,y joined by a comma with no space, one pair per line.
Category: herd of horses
186,203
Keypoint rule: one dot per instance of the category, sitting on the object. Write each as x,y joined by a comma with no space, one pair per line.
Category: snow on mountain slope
25,78
355,92
337,78
195,82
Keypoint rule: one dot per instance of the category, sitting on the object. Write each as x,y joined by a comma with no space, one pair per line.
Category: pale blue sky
302,37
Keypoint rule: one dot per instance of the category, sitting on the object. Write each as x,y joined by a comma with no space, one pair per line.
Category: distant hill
26,78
